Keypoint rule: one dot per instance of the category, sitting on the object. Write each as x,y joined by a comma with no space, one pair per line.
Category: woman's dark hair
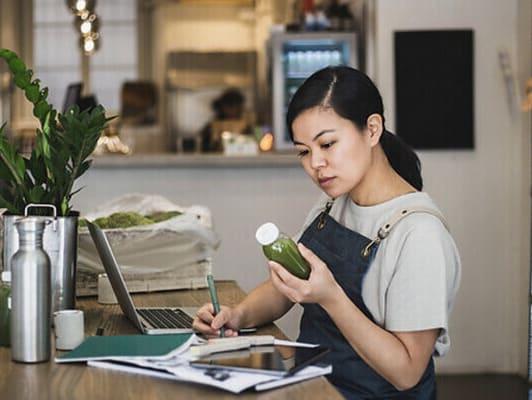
353,96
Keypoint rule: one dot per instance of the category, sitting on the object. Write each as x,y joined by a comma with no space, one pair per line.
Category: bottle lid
6,276
267,233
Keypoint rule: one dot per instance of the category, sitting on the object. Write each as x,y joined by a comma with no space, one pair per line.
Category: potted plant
63,143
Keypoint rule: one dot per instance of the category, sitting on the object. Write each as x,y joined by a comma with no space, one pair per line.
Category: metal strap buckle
366,250
328,206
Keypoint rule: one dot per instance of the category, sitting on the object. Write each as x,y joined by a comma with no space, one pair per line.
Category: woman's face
333,151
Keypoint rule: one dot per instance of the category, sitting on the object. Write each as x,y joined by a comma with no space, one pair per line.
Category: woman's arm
399,357
264,304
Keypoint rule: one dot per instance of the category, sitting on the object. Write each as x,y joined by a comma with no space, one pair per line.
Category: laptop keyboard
164,318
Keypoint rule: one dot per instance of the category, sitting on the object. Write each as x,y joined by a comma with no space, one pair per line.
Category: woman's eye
327,145
302,153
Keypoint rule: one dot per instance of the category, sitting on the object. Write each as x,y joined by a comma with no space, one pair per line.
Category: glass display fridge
294,57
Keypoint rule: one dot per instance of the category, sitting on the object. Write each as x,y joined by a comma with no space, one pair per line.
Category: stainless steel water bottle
30,294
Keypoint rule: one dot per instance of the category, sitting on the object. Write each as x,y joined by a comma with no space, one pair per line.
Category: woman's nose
317,160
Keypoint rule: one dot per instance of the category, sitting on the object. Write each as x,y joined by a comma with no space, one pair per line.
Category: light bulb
81,5
266,143
88,45
85,27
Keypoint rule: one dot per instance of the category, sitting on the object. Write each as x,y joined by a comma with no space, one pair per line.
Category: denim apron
348,255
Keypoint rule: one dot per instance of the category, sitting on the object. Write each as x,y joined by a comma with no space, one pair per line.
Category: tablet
263,359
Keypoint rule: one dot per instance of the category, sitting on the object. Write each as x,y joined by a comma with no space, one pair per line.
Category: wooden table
77,381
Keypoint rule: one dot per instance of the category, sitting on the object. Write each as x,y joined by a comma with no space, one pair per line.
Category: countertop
169,160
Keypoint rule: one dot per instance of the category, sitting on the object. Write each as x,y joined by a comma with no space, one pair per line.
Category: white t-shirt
412,282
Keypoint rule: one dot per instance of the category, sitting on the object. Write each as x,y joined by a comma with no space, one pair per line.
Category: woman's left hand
321,287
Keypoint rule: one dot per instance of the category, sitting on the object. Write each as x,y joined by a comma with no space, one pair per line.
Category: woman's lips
325,181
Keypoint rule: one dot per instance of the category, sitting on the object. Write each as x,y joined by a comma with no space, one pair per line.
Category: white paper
279,342
175,366
235,383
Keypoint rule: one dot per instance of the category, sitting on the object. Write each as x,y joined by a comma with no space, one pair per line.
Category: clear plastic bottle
5,309
280,248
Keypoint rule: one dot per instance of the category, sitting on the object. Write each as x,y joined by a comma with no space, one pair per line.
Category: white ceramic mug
69,329
106,295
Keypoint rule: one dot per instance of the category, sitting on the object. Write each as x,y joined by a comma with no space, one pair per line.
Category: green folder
130,346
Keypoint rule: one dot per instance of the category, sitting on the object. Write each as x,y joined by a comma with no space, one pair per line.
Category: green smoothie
280,248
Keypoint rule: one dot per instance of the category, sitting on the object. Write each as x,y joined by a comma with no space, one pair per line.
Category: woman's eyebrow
317,136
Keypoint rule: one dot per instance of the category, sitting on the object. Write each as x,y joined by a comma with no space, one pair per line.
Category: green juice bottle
280,248
5,309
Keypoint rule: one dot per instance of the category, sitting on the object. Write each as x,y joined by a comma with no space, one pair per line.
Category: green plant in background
62,145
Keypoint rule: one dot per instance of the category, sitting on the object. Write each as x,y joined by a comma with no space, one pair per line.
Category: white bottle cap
267,233
6,276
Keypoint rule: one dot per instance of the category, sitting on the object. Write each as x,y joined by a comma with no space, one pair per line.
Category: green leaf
41,109
36,167
33,93
84,166
10,160
76,191
7,54
36,194
17,65
21,166
10,206
64,206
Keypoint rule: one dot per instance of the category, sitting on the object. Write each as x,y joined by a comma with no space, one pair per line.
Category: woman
384,268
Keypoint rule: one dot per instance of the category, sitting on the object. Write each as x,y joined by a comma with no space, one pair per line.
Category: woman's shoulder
422,212
422,234
423,216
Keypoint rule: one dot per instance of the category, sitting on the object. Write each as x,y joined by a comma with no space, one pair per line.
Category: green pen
214,300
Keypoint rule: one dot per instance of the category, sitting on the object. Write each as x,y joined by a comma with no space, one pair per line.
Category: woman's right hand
209,325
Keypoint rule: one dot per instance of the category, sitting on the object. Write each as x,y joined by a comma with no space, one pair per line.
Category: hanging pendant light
87,23
79,6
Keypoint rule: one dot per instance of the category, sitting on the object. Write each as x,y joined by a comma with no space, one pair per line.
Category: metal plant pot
60,241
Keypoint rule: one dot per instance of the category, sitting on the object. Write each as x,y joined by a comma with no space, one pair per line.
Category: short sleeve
418,295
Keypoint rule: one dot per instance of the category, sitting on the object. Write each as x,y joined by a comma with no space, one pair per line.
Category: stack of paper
168,357
231,381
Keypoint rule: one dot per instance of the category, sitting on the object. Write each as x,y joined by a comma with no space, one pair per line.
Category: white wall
484,193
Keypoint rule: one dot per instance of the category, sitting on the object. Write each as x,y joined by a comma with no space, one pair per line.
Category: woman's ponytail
402,159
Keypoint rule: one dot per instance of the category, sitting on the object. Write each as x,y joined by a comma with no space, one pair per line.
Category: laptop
149,320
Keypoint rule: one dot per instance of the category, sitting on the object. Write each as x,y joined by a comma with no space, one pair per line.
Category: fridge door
295,56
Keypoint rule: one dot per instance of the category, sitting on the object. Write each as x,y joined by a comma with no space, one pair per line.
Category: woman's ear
375,128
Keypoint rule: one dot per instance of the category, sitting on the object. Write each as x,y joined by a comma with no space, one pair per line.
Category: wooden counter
51,381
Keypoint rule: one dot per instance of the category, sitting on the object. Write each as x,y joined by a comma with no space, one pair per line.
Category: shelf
171,160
